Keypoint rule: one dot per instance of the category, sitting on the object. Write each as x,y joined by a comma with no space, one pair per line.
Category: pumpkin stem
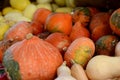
72,61
29,36
64,63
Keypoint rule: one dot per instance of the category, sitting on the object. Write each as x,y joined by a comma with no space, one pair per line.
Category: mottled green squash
105,45
115,21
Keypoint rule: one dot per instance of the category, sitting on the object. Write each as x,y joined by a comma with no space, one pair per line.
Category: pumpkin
81,14
40,15
4,44
80,50
99,25
99,19
59,22
59,40
37,27
18,31
78,30
117,49
105,45
32,59
115,21
93,11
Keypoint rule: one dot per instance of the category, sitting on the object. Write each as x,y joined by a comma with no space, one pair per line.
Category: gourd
80,50
32,58
103,67
81,14
117,49
115,21
18,31
59,22
59,40
64,72
105,45
78,30
78,71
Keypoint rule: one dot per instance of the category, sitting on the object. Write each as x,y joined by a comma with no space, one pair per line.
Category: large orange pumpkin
32,59
59,22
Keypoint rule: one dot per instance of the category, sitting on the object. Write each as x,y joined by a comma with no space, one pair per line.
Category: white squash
64,73
103,67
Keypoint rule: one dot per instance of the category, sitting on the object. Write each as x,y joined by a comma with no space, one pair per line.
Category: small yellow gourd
64,73
78,72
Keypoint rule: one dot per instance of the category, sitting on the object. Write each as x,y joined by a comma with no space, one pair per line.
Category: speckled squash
80,50
105,45
32,59
115,21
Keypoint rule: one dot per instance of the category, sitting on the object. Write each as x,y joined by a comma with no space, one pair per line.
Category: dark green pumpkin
105,45
115,21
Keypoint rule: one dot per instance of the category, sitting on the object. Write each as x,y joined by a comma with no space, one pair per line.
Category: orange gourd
18,31
41,15
81,14
99,25
80,50
36,27
59,22
59,40
32,59
78,30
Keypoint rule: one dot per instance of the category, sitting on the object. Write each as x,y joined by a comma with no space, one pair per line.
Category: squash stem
29,36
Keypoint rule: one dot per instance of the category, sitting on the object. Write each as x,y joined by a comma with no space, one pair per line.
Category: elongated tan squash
78,72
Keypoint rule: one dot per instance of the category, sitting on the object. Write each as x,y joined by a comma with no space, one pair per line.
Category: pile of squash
82,44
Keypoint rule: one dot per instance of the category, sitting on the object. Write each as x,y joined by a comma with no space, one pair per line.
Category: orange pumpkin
59,22
41,15
78,30
59,40
80,50
32,59
4,44
18,31
37,27
99,25
93,11
115,21
81,14
99,19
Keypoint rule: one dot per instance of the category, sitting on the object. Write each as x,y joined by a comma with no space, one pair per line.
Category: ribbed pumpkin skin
18,31
32,59
59,22
59,40
78,30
